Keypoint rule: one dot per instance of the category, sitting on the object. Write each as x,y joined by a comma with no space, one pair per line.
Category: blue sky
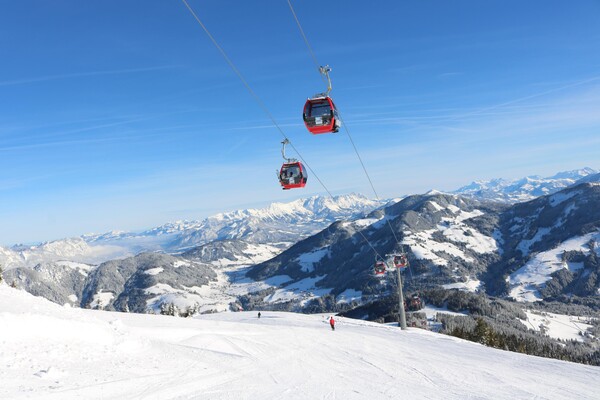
123,115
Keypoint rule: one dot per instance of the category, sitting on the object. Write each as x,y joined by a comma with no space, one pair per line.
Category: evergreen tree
169,309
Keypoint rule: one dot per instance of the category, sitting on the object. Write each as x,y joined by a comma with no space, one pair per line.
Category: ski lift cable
252,92
263,106
310,50
312,53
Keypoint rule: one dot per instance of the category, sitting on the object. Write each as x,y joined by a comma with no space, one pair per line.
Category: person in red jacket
332,323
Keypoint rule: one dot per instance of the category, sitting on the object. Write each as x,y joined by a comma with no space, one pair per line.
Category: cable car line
316,62
264,107
252,93
314,58
310,50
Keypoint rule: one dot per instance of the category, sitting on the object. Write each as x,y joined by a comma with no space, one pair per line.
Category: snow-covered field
558,326
423,246
53,352
524,282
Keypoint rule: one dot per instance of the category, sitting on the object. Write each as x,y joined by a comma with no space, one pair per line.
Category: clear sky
120,114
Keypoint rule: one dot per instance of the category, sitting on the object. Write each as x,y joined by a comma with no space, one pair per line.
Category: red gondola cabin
379,268
400,261
320,115
292,175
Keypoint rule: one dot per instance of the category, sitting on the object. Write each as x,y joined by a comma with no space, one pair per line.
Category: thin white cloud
83,74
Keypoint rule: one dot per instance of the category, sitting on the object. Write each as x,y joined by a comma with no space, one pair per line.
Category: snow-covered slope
526,281
523,189
548,245
52,352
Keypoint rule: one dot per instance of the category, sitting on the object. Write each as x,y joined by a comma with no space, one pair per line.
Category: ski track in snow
238,356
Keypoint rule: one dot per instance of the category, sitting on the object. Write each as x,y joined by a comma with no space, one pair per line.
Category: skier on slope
332,323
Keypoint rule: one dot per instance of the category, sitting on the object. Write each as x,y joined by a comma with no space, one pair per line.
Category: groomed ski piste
49,351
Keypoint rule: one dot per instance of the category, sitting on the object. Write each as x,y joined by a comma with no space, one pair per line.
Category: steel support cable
262,105
310,50
373,187
374,191
314,58
252,93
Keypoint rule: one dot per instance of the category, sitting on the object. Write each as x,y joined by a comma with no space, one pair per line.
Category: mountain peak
523,189
575,174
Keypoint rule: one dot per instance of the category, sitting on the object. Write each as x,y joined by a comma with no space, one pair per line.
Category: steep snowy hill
523,189
52,352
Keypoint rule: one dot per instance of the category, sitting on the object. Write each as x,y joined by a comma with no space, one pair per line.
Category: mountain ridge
524,189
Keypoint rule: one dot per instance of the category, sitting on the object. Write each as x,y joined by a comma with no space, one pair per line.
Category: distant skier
259,315
332,323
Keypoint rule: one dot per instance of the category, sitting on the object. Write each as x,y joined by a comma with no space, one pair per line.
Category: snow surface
348,296
60,353
432,311
154,271
524,282
304,289
525,245
559,198
424,246
180,263
307,260
74,252
101,299
566,327
526,188
364,222
471,285
435,205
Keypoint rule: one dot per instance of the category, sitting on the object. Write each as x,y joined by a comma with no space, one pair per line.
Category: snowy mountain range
313,253
528,188
544,249
280,224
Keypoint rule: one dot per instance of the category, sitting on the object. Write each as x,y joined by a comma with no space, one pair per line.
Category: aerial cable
310,50
314,58
252,93
262,105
